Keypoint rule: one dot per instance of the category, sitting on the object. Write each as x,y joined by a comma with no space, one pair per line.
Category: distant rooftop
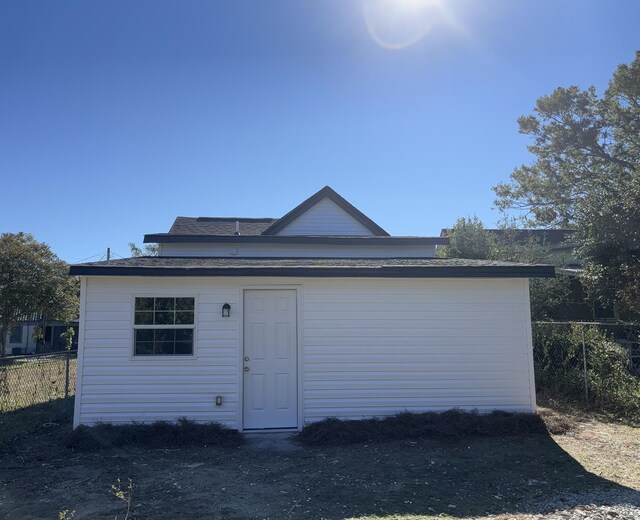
220,226
550,237
248,227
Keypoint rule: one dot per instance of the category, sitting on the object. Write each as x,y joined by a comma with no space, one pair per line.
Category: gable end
344,205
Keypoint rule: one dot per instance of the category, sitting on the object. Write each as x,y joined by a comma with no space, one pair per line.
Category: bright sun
413,4
398,24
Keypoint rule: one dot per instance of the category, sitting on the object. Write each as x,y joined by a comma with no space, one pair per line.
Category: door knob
246,369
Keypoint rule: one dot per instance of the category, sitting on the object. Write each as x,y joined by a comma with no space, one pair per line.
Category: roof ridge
231,219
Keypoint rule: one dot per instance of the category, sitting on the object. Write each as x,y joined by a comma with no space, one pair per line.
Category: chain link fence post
66,375
584,367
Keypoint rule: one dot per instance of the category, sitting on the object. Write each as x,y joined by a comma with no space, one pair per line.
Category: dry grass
34,380
558,423
577,409
32,391
607,449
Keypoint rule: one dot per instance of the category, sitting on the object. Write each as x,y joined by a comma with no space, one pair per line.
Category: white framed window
163,326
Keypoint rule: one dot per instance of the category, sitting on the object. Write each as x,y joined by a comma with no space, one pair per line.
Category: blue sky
117,116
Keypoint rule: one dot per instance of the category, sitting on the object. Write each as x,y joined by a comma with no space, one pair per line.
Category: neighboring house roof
225,226
320,267
37,318
554,238
242,227
570,271
550,237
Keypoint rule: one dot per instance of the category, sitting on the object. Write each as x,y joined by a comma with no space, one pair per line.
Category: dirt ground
271,477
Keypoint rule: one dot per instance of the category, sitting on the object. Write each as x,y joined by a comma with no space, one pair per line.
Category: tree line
585,177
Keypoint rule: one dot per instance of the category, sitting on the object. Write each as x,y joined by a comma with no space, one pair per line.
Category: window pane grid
161,326
163,342
164,311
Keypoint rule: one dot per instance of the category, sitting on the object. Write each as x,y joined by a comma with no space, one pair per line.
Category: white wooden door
270,366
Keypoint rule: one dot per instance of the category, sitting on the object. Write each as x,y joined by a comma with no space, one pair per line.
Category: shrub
453,423
559,368
159,434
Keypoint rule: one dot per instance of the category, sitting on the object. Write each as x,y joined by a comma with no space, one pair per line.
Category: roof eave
541,271
168,238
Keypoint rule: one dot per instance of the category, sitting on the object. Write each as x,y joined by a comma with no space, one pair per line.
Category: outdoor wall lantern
226,310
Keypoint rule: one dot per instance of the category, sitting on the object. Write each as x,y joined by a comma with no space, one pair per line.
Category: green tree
608,231
147,250
67,336
468,238
33,281
586,175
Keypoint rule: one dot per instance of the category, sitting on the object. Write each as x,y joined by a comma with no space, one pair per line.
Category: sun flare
398,24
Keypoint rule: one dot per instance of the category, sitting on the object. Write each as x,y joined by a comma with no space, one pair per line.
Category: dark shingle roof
226,226
219,225
550,237
347,267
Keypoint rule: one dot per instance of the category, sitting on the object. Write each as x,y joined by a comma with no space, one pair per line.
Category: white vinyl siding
118,387
369,347
300,250
392,345
325,218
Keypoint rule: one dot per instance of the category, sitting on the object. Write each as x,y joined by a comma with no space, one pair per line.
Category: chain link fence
594,362
42,379
597,362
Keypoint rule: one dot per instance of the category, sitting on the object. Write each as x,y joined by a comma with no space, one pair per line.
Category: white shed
274,323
